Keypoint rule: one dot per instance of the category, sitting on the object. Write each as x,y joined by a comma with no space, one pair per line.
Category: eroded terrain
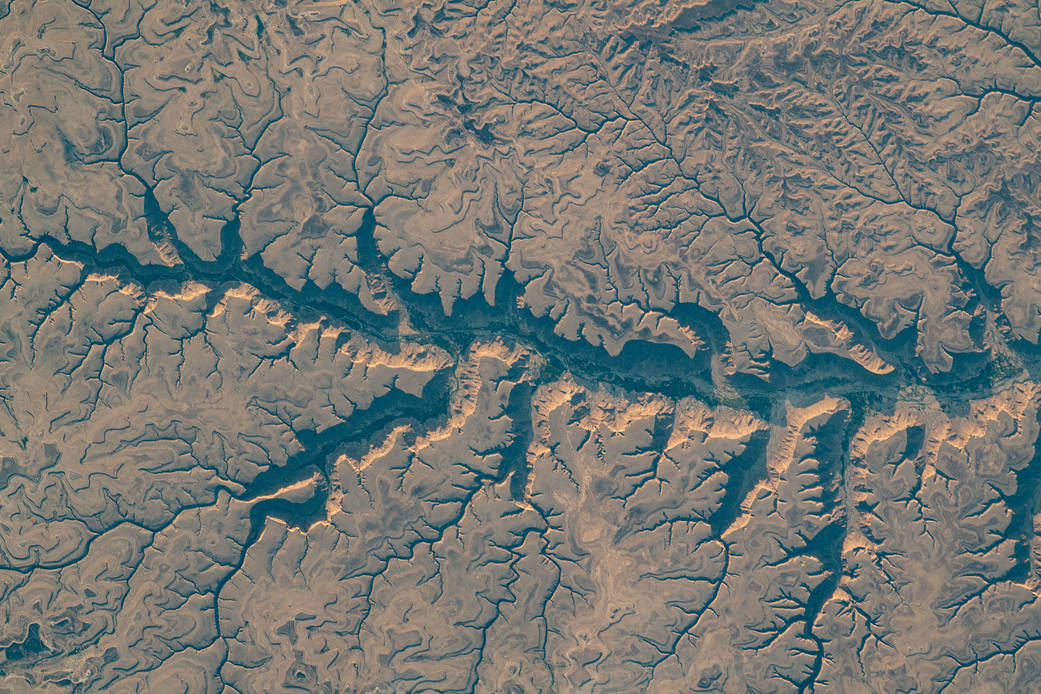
507,346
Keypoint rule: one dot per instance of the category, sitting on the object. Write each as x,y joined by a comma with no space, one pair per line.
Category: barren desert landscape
520,346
